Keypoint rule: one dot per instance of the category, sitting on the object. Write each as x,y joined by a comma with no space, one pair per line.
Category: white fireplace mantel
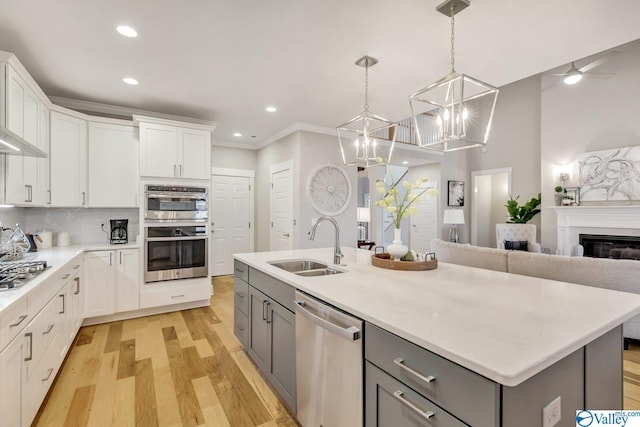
610,220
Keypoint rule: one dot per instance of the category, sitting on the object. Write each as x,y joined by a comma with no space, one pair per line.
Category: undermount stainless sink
318,272
298,265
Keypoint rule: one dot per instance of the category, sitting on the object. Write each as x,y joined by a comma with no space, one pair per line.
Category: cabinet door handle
29,189
48,197
110,258
49,328
174,170
30,345
77,266
77,279
180,170
62,296
49,372
400,362
84,198
239,294
264,310
268,320
240,328
20,320
424,414
120,258
238,270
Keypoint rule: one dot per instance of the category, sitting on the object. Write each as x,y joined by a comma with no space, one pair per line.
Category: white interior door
231,219
424,223
281,207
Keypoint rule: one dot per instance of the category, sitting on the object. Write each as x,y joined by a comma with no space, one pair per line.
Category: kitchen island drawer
12,321
390,403
274,288
467,395
241,295
241,326
241,270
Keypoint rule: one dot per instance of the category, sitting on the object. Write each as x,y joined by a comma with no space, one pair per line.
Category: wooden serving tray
384,260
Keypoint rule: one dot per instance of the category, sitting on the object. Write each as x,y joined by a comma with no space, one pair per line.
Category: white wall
595,114
233,158
82,224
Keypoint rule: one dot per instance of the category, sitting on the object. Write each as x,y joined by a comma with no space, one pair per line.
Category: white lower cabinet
111,281
11,359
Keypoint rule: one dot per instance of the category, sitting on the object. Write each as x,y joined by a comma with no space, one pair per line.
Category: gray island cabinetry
454,346
264,323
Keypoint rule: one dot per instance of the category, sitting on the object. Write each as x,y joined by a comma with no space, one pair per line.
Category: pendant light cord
453,40
366,85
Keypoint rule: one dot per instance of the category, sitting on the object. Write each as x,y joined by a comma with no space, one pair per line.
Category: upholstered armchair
515,233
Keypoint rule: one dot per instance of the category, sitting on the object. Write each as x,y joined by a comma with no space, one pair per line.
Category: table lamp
453,217
364,216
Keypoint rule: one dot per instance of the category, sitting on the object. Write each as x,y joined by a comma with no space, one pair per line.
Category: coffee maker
119,231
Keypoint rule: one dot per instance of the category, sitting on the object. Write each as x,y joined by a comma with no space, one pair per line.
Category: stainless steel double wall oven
176,235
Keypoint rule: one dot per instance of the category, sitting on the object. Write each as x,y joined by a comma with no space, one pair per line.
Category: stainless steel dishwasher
328,365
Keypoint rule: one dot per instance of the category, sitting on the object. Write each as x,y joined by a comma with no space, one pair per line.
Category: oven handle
175,195
173,239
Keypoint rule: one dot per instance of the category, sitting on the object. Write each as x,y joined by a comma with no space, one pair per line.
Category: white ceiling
225,61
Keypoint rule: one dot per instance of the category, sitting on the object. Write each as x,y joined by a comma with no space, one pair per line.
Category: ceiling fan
574,74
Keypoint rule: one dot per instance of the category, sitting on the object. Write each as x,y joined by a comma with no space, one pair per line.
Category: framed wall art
456,193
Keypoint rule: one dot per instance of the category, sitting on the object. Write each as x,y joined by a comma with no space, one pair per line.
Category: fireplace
607,246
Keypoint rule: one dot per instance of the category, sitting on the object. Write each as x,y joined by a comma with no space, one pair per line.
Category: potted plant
524,213
558,196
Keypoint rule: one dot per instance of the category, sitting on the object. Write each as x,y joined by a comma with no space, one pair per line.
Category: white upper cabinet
113,165
168,151
26,115
68,161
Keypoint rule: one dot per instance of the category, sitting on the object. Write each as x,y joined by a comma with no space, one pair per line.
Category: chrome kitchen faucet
337,253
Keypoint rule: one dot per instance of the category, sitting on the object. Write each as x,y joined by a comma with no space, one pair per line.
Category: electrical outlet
551,413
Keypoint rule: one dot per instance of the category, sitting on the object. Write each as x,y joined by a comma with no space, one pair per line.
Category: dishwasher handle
351,333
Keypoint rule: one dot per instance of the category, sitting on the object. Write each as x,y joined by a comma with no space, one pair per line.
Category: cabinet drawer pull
239,270
77,291
66,276
400,362
20,320
62,296
49,328
177,296
240,328
264,309
30,356
239,294
268,320
425,414
49,372
77,266
84,198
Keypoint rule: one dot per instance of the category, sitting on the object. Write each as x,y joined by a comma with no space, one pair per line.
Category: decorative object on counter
455,197
64,239
455,112
396,249
45,239
359,136
558,196
401,206
119,231
522,214
610,175
13,243
32,242
453,217
383,260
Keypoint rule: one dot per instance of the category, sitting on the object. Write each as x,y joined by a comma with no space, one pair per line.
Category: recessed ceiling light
271,109
237,134
405,162
130,81
127,31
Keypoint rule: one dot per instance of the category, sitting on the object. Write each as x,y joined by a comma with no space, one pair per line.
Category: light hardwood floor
184,369
177,369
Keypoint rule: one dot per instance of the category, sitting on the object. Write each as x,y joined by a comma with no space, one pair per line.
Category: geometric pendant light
455,112
367,139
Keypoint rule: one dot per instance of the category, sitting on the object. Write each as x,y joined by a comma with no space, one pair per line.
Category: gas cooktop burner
15,274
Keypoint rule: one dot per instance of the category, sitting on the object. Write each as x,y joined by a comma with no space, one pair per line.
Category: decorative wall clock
329,189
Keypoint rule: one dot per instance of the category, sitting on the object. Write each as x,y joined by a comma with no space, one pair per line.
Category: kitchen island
517,332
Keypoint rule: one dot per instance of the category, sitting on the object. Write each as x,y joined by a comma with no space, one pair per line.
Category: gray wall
233,158
9,217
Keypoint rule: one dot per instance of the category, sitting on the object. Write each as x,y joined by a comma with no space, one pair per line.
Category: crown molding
124,112
235,144
307,127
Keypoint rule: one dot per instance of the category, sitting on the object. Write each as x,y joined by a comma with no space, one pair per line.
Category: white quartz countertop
504,326
56,258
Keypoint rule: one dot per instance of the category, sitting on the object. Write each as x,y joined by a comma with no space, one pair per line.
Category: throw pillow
516,245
